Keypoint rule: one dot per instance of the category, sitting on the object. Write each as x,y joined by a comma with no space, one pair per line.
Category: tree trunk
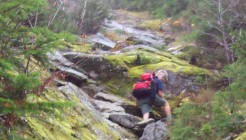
83,16
228,51
51,21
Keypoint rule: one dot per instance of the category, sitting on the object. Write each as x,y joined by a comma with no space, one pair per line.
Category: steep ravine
99,82
97,74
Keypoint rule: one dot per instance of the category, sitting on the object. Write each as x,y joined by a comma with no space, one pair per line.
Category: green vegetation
21,47
30,106
86,48
224,113
31,28
65,123
114,35
151,25
218,28
137,62
159,8
84,16
150,61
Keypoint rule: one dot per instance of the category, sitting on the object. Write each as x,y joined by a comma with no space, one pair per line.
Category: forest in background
31,28
217,24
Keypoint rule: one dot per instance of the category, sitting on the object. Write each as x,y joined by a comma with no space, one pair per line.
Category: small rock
109,97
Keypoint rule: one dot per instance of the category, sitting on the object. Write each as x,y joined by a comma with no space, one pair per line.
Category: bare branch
50,22
30,23
83,15
36,18
216,27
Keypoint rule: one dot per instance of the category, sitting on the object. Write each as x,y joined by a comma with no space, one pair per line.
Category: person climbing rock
157,100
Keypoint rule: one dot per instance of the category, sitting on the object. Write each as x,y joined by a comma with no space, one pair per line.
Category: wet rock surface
143,36
177,83
101,41
90,71
155,131
126,120
107,108
63,64
109,98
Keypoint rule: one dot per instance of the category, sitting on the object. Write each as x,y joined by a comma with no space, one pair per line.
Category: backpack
142,88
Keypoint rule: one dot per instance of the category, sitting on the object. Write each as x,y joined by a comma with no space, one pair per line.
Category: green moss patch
150,61
80,47
151,25
114,35
120,87
68,123
242,136
139,61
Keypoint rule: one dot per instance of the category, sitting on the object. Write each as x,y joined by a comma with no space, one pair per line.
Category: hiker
156,100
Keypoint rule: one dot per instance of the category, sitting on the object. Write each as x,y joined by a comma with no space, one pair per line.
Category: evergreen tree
215,19
159,8
19,45
225,112
79,17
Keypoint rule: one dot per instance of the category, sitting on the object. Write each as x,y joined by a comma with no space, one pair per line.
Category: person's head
162,74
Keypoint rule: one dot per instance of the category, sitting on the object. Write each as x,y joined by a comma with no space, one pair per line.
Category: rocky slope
98,79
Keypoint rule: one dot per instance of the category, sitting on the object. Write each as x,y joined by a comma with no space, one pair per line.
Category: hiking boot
138,129
167,121
145,122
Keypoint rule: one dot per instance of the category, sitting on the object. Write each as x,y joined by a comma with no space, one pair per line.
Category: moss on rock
151,25
69,123
150,61
120,86
139,61
80,47
241,136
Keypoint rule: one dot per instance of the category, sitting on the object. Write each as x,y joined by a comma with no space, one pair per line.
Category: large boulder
100,110
107,108
125,120
71,70
109,97
97,67
178,82
155,131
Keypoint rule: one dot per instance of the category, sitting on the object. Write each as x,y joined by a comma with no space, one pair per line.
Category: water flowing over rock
144,36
